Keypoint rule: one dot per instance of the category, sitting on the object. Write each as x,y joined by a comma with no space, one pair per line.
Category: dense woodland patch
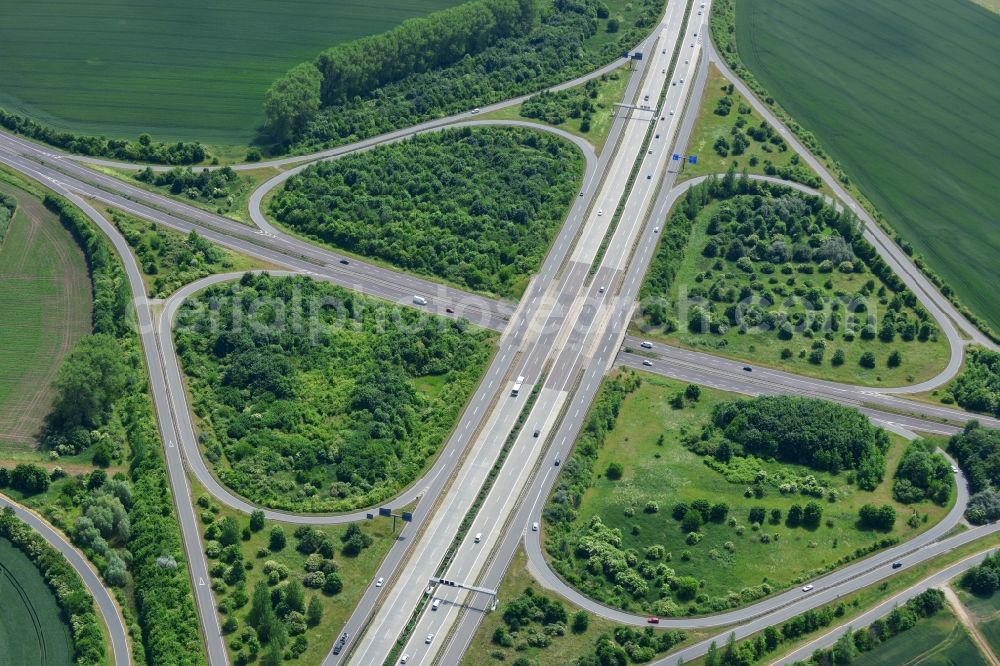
761,272
339,99
314,398
476,207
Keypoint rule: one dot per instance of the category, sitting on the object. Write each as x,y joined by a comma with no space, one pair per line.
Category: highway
107,607
564,334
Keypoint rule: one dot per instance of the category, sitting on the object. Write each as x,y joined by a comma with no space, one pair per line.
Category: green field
936,641
904,95
32,630
986,614
181,70
45,304
727,558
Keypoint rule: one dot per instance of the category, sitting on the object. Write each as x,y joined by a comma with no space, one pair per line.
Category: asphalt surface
189,525
106,605
566,321
938,579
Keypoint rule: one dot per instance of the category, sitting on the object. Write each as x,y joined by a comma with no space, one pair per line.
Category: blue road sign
370,516
384,512
676,157
693,159
407,517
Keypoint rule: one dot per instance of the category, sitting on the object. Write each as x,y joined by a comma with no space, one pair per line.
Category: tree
614,471
812,514
277,539
895,359
29,479
260,604
91,378
294,596
691,521
256,520
867,360
718,512
314,615
838,357
580,622
775,516
333,584
292,101
757,515
687,588
844,650
692,392
229,531
794,515
613,25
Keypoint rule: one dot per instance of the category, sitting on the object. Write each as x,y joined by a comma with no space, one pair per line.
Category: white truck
517,387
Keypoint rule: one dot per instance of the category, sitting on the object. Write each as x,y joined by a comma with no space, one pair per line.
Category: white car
475,111
954,469
379,582
656,230
646,345
429,638
807,588
600,211
404,658
534,527
648,363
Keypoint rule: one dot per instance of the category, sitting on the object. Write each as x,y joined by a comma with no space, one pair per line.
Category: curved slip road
928,295
189,525
819,597
107,607
550,579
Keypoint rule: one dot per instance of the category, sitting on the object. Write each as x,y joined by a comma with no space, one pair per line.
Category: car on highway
479,537
436,604
649,176
648,363
656,230
649,152
379,582
534,527
449,310
807,588
419,300
344,261
557,462
536,433
954,469
581,194
657,136
671,111
341,642
897,565
429,638
645,344
747,368
601,290
600,211
475,111
652,620
405,658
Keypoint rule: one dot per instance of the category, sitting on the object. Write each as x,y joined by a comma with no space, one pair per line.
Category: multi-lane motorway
562,337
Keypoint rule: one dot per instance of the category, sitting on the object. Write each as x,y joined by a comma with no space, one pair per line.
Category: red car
653,620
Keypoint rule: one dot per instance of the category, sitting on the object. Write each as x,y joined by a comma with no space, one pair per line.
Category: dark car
344,261
653,620
896,565
449,311
747,368
536,433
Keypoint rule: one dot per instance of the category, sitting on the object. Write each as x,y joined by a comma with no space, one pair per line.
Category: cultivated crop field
904,95
32,630
180,70
938,641
45,303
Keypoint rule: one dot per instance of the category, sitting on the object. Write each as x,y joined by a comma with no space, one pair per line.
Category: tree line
555,48
816,433
8,205
161,588
417,45
74,599
144,149
474,206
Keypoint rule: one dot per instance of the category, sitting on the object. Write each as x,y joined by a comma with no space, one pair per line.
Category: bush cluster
923,474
